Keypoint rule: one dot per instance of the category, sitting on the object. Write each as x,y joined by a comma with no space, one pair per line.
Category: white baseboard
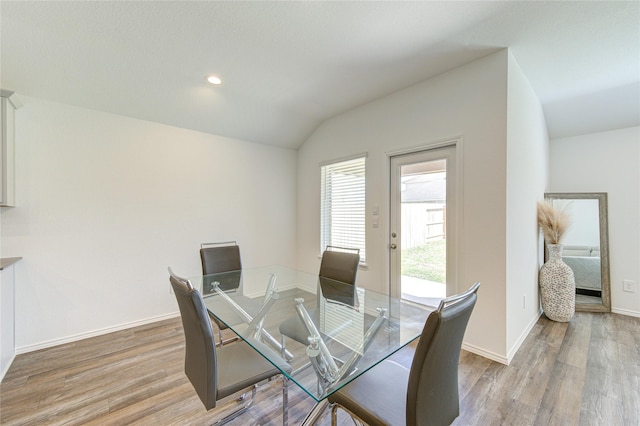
512,352
500,358
484,353
6,368
626,312
94,333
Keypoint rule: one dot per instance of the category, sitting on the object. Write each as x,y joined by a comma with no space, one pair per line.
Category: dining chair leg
235,414
283,344
334,415
244,396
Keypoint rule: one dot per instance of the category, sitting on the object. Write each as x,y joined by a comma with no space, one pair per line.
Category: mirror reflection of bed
585,263
585,247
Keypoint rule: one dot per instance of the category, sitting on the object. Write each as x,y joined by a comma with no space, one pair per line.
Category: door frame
454,257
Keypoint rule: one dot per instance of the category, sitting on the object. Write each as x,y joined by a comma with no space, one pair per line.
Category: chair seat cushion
386,382
242,366
295,329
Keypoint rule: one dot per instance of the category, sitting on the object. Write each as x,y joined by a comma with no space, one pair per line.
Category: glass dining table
347,329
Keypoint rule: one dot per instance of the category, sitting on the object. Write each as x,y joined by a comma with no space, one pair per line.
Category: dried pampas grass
553,222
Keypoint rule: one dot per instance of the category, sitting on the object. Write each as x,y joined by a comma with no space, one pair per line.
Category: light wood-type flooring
586,372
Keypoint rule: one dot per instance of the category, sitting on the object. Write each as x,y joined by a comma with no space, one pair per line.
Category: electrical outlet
629,286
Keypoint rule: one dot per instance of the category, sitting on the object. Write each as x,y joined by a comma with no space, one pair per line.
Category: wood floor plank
470,371
575,350
586,372
562,397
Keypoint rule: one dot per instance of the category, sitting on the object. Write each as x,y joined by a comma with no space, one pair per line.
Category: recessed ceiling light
214,79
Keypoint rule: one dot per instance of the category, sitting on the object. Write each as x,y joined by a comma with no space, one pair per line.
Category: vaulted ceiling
288,66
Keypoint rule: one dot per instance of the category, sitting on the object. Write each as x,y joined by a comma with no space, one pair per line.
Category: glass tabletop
333,331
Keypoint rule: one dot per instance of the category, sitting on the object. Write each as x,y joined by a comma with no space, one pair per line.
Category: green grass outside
427,262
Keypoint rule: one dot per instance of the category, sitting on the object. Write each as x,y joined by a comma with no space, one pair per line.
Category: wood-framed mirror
586,247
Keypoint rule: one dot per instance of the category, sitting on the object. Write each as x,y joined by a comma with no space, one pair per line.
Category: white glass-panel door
422,200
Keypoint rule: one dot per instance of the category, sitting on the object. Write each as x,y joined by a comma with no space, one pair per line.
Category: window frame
340,170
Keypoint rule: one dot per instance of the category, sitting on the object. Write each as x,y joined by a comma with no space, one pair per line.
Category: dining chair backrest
220,257
200,360
336,281
432,391
337,275
340,264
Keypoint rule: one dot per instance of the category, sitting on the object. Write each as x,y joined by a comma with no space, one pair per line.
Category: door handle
393,246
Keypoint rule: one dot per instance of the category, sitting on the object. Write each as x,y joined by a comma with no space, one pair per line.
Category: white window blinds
343,205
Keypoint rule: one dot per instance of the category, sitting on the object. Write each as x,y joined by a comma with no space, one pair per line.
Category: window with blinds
343,205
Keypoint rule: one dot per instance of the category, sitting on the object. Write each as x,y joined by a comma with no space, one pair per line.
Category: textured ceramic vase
557,286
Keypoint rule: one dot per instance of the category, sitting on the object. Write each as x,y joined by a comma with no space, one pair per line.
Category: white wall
527,171
469,102
105,203
607,162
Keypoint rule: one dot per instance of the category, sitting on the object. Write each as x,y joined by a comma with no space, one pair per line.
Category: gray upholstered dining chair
218,373
217,258
220,257
338,265
425,394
